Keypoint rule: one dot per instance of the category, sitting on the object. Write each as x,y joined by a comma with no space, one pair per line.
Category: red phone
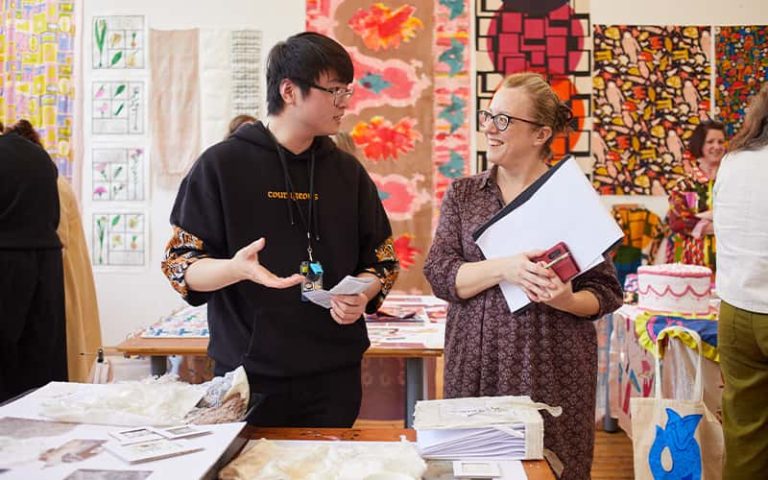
560,260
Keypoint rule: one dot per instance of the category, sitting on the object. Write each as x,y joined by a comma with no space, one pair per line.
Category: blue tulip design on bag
684,450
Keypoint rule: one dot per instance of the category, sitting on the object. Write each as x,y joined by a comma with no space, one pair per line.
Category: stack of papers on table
509,428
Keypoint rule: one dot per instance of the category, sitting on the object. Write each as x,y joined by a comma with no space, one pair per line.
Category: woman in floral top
692,239
548,350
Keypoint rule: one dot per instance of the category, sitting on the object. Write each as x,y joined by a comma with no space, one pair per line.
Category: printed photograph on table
742,67
118,174
37,45
651,90
550,37
117,108
118,42
119,239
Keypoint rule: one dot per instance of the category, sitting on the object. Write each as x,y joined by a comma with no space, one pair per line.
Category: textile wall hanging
174,103
742,67
37,39
551,37
408,118
651,89
230,61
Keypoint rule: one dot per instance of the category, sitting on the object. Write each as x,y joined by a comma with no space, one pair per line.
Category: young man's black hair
302,58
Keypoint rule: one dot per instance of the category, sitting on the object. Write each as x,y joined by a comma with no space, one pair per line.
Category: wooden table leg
158,364
414,387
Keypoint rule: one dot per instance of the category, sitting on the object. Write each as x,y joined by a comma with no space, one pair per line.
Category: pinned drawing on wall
118,42
742,67
118,174
230,76
119,239
550,37
117,108
246,72
651,90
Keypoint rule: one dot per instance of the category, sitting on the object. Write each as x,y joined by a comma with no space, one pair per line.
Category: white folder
560,206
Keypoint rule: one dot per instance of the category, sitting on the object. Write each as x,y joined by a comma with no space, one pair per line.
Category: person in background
741,228
548,350
275,199
33,344
690,200
345,142
237,122
81,309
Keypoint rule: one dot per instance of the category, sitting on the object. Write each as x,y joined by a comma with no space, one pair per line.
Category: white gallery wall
131,300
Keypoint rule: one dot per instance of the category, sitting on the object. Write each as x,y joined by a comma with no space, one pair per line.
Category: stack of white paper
508,428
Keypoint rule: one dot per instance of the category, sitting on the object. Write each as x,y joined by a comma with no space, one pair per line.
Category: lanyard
306,222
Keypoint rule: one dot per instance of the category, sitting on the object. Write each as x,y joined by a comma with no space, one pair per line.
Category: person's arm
681,218
454,279
475,277
376,258
210,274
590,295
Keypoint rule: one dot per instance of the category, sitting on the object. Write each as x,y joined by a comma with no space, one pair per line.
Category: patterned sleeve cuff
182,250
386,268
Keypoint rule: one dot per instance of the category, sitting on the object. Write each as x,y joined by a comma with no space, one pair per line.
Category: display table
414,353
632,371
534,469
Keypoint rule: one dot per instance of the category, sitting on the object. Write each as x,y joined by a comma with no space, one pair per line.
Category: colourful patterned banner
551,37
651,89
742,67
36,65
408,118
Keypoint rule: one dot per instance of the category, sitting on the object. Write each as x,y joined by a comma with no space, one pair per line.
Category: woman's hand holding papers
535,280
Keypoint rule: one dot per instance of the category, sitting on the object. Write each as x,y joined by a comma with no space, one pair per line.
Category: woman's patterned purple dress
542,352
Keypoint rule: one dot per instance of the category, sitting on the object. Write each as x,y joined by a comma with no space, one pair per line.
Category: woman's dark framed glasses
501,120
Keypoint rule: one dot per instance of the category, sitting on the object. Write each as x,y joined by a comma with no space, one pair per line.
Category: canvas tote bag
675,438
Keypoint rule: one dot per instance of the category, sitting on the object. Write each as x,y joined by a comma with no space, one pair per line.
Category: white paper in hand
349,285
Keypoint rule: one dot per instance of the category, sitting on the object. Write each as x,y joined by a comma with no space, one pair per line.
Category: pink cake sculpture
674,287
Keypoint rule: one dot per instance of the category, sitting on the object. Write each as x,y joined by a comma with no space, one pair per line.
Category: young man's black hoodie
237,192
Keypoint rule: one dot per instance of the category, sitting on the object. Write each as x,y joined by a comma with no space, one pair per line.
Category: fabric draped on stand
81,310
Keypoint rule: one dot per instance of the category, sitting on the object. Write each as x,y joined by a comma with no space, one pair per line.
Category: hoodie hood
257,134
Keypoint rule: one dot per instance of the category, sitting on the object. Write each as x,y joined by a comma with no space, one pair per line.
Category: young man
255,208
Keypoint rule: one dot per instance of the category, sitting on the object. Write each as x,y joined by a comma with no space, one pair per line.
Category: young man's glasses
501,120
339,93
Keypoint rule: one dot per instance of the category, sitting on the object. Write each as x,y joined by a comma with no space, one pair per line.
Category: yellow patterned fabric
642,229
37,39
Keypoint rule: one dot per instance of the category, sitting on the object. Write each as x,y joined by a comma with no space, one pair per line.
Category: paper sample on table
561,206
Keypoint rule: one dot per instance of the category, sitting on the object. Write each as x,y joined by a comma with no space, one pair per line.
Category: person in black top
33,348
275,199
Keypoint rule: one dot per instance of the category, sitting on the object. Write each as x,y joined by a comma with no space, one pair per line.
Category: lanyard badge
313,277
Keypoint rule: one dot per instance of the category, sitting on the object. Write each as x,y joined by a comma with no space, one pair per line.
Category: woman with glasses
547,351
